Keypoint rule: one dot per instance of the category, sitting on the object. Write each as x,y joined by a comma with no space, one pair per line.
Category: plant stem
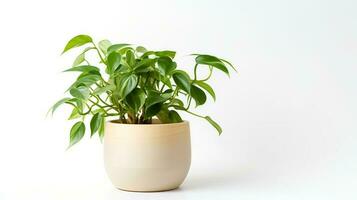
100,55
195,72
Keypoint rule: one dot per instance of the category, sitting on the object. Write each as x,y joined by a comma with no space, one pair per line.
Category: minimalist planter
147,157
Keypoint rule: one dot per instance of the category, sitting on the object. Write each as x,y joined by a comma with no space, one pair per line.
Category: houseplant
141,92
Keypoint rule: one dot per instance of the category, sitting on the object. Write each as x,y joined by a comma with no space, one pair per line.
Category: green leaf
95,123
141,49
165,65
104,45
212,61
77,41
154,98
174,116
57,104
182,80
101,128
130,58
136,99
214,124
80,92
77,133
144,66
153,110
206,87
167,53
127,84
86,79
74,114
101,90
116,47
113,62
82,68
198,95
80,58
177,102
230,64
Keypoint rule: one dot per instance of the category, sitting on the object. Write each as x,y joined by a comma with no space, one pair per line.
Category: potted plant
134,97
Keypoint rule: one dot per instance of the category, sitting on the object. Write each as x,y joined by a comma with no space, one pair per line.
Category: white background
289,116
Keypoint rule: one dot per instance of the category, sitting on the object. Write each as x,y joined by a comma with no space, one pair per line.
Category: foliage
133,85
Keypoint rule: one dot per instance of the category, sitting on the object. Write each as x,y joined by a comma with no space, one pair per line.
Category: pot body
147,157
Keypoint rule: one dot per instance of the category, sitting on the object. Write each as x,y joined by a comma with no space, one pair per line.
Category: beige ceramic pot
147,157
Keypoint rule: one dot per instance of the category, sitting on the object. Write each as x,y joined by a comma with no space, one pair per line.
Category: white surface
289,116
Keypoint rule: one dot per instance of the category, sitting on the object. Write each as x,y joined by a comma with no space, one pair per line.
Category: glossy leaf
127,84
206,87
136,99
77,41
82,68
153,110
144,66
113,62
166,65
130,58
167,53
198,95
214,124
116,47
80,92
174,116
182,80
154,99
77,133
95,123
212,61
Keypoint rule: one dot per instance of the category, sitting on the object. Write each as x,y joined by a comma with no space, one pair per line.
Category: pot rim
113,123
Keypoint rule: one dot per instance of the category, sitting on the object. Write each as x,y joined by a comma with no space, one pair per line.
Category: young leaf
182,80
214,124
113,62
77,41
212,61
130,58
82,68
174,116
95,123
206,87
198,95
104,45
170,54
77,133
141,49
80,58
136,99
57,104
116,47
80,92
101,90
74,114
127,84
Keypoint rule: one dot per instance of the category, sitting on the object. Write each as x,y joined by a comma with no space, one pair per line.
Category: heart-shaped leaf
77,41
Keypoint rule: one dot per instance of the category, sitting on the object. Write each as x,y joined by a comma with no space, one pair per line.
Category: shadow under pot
147,157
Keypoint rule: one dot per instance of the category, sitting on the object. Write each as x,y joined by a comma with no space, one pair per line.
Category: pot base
148,191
